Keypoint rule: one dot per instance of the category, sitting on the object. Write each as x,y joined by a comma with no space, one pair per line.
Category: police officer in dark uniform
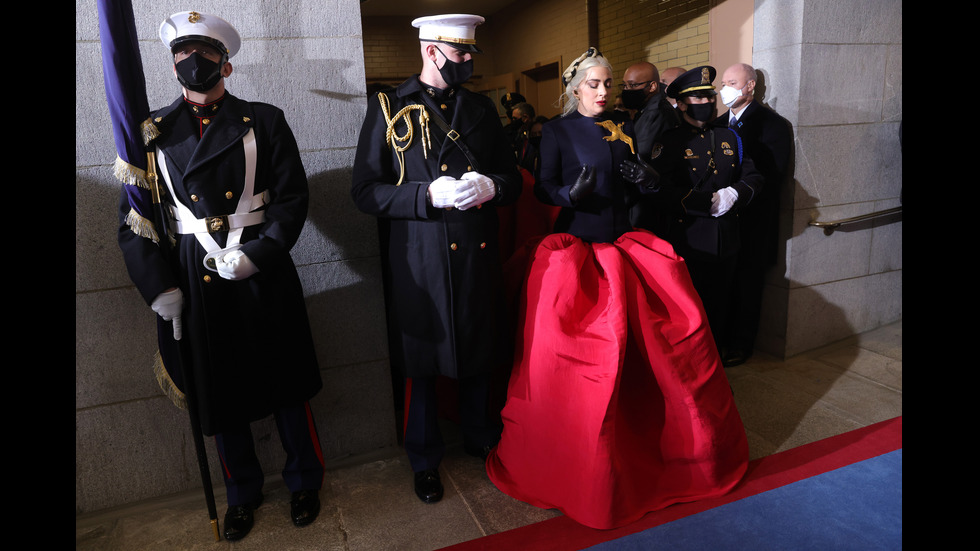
513,128
236,187
432,164
706,178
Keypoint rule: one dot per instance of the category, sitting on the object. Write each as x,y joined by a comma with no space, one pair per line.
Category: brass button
443,106
454,246
444,167
207,279
449,208
205,121
229,195
195,198
468,168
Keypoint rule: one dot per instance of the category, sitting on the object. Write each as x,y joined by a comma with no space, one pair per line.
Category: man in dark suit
432,164
235,183
643,92
767,138
706,179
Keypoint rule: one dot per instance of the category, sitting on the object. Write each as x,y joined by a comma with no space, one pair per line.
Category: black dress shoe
734,356
428,486
239,519
478,451
304,507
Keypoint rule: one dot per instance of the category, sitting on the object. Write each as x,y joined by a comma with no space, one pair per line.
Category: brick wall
666,33
391,49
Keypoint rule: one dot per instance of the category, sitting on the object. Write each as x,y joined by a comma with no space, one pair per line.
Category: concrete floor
370,505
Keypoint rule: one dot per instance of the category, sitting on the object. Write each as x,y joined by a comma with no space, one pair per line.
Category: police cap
510,99
696,81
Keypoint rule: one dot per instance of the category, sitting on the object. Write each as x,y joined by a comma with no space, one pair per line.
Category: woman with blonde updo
617,404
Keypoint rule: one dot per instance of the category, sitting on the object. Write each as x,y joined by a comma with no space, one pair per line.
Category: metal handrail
829,227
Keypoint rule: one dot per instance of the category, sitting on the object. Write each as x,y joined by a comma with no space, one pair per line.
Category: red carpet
764,474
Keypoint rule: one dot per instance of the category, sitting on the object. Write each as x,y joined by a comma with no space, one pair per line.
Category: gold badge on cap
193,17
705,76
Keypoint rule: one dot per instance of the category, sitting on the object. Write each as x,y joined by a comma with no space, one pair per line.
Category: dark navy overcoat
441,268
249,342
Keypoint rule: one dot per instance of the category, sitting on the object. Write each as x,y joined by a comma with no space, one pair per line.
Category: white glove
442,191
235,266
474,189
723,200
168,305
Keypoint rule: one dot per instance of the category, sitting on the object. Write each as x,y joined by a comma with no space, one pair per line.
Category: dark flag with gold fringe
147,218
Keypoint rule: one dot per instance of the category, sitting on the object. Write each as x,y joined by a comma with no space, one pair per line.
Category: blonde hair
575,74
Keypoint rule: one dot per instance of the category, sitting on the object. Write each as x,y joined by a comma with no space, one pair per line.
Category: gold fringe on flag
167,384
129,174
141,226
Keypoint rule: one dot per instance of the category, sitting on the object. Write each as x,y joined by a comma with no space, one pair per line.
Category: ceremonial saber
125,87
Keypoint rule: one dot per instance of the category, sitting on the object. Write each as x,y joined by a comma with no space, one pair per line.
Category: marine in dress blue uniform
438,232
238,193
706,179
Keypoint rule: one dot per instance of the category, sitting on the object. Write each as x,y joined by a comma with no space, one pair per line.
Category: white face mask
730,95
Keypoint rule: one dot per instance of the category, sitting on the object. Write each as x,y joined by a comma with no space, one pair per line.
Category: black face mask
455,73
634,99
198,73
703,112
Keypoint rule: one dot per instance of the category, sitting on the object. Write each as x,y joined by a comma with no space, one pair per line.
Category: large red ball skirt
618,404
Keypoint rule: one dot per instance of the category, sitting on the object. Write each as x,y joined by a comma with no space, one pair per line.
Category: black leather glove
640,173
584,184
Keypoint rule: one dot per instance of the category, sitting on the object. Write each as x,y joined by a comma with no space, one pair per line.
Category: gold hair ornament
569,73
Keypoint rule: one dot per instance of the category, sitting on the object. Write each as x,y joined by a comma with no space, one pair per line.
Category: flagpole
128,108
190,391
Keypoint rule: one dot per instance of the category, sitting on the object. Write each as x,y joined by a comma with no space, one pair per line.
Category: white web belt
234,224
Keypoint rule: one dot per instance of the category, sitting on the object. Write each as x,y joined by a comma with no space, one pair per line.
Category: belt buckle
216,223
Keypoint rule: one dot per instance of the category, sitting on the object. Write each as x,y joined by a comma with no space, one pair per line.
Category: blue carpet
857,507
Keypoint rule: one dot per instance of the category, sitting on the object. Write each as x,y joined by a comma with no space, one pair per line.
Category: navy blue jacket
571,142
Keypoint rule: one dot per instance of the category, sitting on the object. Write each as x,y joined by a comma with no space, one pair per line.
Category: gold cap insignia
194,17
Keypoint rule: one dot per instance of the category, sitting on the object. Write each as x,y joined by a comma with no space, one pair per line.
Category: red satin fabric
617,404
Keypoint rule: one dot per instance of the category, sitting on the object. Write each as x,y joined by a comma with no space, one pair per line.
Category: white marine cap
455,29
191,25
